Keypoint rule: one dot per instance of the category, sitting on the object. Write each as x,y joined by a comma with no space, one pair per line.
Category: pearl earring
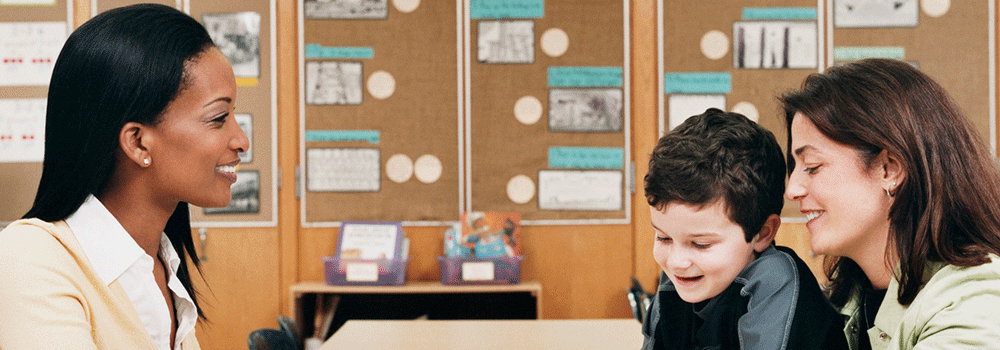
145,161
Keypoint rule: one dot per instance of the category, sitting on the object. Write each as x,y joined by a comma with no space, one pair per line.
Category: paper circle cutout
406,6
555,42
714,44
381,85
935,8
528,110
399,168
747,109
520,189
427,168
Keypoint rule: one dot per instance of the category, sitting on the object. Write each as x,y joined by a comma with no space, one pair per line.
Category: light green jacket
958,308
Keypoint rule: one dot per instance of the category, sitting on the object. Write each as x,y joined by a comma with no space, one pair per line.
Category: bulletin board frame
946,73
98,6
532,165
20,180
826,45
393,201
265,164
763,98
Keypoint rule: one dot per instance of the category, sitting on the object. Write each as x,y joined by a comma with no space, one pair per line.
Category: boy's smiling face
700,249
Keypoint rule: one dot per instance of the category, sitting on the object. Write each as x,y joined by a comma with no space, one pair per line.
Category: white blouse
116,256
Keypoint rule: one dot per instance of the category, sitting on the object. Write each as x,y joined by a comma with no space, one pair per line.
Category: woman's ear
893,173
765,237
133,141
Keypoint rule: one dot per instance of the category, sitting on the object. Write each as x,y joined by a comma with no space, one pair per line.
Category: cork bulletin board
98,6
951,41
739,59
244,32
380,112
33,32
548,110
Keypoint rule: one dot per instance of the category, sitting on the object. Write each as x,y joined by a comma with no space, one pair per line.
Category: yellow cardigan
51,297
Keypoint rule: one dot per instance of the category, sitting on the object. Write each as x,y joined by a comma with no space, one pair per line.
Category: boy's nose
678,260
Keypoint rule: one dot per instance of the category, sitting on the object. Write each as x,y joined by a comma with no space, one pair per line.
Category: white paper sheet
22,130
28,51
680,107
579,190
875,13
342,170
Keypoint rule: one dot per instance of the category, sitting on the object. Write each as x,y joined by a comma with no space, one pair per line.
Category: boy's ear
765,237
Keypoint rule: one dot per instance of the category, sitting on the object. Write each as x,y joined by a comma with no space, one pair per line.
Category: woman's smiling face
195,145
843,200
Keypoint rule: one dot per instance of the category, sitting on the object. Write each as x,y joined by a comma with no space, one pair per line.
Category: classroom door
243,288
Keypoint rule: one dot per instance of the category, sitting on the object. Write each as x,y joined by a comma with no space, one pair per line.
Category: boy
715,188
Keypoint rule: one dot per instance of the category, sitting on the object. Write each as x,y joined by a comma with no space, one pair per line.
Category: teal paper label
779,13
698,83
371,136
585,77
852,53
320,51
586,157
485,9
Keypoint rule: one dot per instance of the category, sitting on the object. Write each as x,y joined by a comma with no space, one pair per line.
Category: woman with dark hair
904,199
138,124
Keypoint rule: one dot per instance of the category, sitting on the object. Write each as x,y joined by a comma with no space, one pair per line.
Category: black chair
271,339
639,299
289,326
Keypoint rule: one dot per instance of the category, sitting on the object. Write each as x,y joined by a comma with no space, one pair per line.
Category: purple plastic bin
498,270
361,272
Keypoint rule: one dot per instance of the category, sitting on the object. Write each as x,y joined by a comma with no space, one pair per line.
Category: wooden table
622,333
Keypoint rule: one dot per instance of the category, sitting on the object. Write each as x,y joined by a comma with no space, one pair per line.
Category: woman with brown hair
904,199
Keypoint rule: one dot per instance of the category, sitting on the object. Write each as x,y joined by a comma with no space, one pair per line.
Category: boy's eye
663,239
701,245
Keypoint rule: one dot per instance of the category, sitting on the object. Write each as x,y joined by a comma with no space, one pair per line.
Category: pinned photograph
333,83
238,37
585,110
875,13
506,42
245,195
346,9
246,123
775,45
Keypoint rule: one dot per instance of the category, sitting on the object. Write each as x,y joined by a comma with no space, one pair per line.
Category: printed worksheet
28,51
22,130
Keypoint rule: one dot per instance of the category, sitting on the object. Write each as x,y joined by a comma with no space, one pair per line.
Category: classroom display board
98,6
744,57
548,110
739,59
245,32
380,112
32,32
951,41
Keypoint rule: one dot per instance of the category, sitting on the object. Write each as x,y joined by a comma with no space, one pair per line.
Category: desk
622,333
436,299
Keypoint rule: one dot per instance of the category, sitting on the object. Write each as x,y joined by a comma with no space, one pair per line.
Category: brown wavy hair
947,208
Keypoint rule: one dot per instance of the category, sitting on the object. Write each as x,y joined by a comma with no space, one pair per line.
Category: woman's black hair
124,65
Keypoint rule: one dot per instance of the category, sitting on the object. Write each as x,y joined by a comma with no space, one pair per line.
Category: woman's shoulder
33,239
950,286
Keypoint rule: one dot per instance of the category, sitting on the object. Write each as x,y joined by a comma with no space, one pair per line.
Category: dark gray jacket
774,303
